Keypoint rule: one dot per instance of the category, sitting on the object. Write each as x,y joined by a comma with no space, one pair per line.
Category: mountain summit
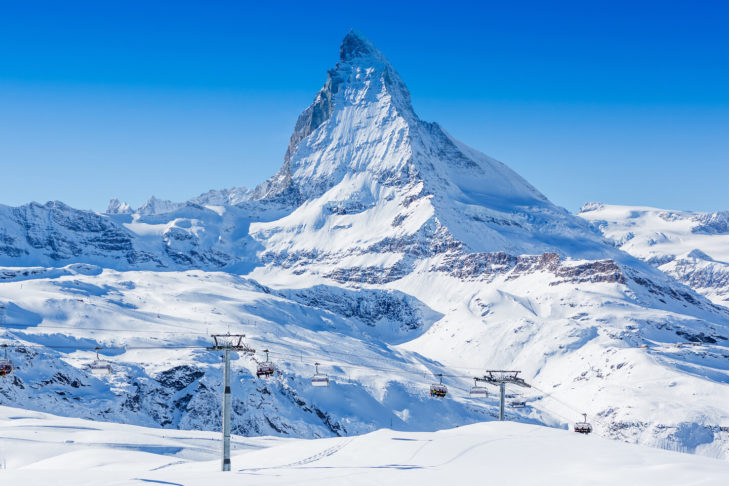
356,45
360,141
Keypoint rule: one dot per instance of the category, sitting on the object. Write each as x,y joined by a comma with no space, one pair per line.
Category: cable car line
583,427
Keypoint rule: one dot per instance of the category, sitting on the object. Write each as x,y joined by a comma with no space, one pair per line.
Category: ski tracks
307,460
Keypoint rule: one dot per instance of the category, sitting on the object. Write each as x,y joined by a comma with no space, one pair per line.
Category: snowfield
382,348
39,449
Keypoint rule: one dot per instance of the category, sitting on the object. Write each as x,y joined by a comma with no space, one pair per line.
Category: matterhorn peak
363,92
360,60
355,45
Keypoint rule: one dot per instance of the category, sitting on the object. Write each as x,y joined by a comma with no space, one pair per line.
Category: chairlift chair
518,404
319,379
266,368
6,366
99,367
583,427
478,391
439,390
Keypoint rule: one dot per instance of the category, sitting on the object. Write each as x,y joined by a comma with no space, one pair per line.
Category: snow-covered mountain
384,248
692,247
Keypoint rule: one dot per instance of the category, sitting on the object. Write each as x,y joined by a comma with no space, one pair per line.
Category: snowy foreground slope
44,449
691,247
384,249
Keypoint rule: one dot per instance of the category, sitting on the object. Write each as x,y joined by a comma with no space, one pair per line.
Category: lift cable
175,346
332,362
551,395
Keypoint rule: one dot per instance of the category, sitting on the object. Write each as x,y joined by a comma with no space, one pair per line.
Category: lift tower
501,378
227,343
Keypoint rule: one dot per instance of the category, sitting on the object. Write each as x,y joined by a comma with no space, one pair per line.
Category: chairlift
518,404
6,366
100,367
319,379
478,391
583,427
439,390
266,368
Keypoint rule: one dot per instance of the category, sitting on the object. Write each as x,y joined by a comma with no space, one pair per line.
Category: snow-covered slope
383,248
691,247
40,449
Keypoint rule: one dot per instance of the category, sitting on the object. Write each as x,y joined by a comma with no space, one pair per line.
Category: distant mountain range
691,247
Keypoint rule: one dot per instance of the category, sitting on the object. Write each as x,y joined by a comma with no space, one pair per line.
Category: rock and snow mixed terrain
39,449
691,247
384,249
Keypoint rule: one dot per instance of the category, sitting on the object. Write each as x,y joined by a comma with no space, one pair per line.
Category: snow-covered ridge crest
362,90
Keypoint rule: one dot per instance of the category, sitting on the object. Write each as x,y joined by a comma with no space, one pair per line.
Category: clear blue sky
620,102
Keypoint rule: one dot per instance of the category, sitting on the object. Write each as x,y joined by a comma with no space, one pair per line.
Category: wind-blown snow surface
44,449
384,249
691,247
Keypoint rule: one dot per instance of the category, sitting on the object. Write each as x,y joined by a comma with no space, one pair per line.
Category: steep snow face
691,247
359,149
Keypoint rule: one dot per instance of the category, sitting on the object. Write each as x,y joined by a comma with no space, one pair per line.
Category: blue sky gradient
589,101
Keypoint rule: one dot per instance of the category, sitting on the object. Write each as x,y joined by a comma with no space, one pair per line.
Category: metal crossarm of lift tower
232,342
496,377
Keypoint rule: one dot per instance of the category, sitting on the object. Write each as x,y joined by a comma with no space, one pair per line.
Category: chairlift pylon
438,390
583,427
319,379
266,368
100,367
6,366
478,391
